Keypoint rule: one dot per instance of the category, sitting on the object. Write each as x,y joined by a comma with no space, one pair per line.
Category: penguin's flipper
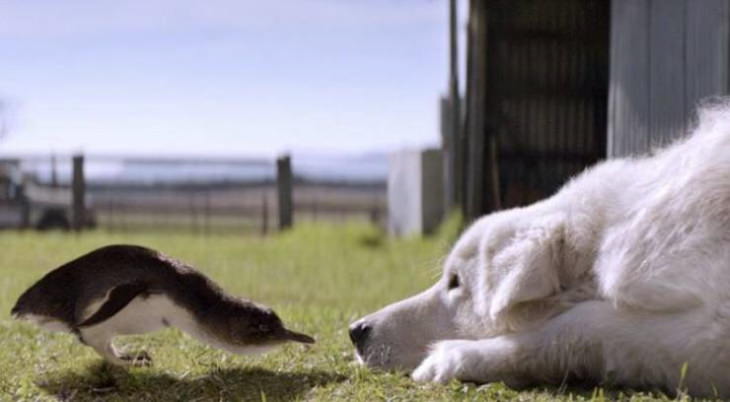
118,298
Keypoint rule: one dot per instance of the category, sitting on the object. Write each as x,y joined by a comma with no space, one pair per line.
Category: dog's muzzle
359,334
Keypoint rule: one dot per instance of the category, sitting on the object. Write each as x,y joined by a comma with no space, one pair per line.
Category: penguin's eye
453,282
263,328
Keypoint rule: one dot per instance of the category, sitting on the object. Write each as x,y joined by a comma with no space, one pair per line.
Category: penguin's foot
101,341
139,359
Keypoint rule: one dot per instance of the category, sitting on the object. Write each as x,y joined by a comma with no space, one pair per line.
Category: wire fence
197,195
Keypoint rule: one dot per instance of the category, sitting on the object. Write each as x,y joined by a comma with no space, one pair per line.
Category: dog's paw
447,360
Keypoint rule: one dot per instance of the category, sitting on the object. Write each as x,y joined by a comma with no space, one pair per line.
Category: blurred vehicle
25,203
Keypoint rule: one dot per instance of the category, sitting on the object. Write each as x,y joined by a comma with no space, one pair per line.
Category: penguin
127,289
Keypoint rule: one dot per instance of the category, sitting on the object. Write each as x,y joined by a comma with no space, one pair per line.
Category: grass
318,278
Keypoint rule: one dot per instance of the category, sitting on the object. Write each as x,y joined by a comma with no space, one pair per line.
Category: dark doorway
545,93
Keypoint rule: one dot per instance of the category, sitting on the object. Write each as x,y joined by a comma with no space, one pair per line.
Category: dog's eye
453,282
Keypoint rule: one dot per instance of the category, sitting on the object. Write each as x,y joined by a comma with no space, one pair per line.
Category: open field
319,278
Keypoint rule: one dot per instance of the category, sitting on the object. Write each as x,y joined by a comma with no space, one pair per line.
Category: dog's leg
594,342
480,361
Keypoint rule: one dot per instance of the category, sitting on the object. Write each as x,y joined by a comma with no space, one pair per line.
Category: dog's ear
527,268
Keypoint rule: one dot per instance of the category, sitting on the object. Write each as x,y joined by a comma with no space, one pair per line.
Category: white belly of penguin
142,315
154,312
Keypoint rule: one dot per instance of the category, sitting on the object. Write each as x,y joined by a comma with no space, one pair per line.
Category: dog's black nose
359,332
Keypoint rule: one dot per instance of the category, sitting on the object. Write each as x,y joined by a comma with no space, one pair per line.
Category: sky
222,77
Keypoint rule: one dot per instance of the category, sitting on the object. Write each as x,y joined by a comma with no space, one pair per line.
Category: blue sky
222,77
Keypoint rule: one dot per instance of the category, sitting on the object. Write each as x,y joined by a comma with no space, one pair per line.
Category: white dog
621,278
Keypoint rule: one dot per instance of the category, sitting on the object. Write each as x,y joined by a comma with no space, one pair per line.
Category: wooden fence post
25,205
264,215
54,171
284,189
78,194
453,144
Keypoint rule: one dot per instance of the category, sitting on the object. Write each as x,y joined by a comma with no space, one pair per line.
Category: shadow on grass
102,382
581,390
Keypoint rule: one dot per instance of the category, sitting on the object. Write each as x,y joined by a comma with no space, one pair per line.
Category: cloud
54,19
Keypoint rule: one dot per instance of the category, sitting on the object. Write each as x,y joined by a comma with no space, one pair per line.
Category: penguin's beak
290,335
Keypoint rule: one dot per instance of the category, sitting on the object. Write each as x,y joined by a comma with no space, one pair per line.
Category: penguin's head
253,325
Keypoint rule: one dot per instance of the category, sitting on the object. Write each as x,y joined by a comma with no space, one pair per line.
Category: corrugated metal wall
547,80
666,56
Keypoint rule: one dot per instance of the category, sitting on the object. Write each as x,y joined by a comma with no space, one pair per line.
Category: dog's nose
359,331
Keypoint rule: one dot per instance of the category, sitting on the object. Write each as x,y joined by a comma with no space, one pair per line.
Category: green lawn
318,278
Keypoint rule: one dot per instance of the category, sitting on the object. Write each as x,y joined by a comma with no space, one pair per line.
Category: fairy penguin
125,290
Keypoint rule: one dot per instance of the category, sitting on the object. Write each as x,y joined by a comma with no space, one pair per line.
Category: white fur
622,277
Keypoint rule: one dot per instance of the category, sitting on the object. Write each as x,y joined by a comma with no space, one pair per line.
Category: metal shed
666,57
555,85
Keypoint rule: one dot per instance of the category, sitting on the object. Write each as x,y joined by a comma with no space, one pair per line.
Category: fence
204,196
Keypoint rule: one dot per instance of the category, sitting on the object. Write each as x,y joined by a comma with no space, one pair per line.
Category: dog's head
495,280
